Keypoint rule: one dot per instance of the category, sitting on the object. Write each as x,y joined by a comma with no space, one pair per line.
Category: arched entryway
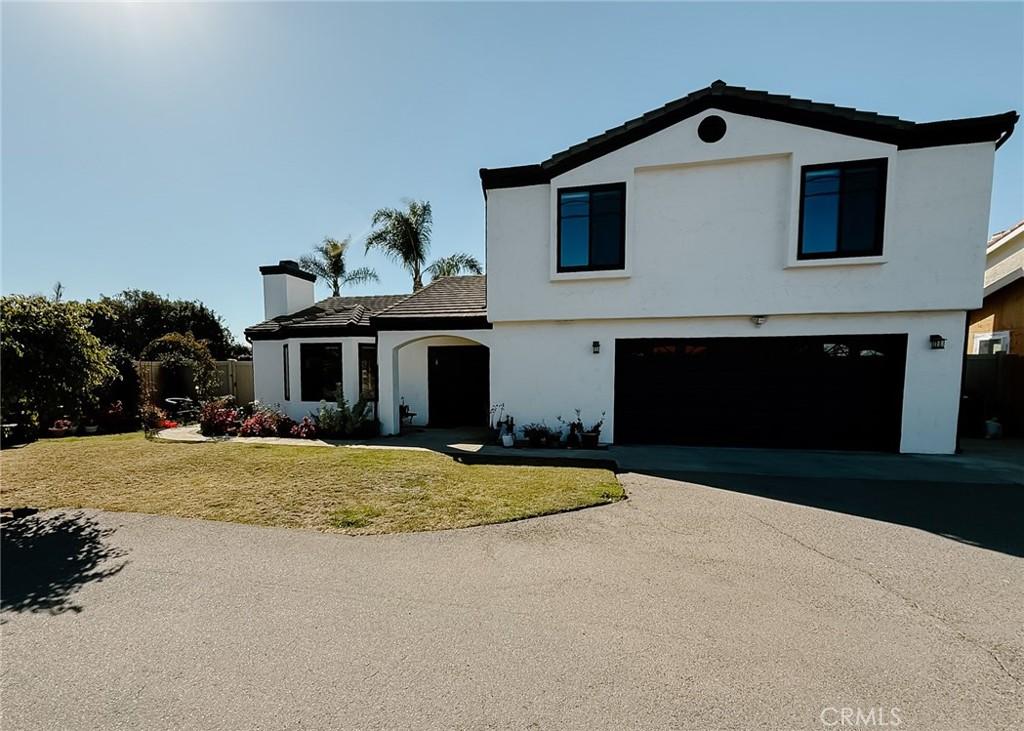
437,379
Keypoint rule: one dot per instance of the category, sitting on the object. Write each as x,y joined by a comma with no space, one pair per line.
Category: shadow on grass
46,559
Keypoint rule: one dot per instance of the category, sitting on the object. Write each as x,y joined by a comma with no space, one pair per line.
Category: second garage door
836,392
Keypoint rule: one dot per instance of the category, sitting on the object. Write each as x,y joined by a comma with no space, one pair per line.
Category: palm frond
313,266
454,265
360,276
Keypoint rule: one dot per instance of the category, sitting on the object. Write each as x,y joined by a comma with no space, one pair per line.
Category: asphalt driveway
688,606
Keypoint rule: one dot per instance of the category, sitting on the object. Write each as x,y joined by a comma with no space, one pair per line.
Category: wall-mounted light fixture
596,345
759,320
937,342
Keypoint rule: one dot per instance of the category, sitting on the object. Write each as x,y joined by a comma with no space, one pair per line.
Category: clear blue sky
178,147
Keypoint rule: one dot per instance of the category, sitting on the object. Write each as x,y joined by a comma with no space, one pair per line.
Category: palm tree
328,263
450,266
404,237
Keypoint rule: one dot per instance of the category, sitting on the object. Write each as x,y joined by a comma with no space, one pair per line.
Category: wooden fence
235,379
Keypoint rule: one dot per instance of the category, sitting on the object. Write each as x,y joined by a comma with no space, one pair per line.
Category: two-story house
735,268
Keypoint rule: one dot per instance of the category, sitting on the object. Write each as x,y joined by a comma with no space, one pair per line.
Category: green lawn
339,490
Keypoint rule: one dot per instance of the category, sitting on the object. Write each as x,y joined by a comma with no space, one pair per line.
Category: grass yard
337,490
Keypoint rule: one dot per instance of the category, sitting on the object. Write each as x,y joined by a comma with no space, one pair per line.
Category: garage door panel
836,392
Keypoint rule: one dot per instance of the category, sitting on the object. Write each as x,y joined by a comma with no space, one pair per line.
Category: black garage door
838,392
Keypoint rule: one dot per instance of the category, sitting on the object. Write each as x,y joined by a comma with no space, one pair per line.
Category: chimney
286,288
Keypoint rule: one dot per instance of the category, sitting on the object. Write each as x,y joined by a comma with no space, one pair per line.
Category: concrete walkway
980,461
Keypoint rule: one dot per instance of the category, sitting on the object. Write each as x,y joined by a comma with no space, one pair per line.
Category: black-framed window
287,370
842,209
592,228
368,371
320,371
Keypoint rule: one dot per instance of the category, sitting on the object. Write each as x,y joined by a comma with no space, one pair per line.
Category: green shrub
52,364
342,422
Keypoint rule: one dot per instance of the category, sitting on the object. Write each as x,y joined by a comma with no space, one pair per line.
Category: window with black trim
320,371
842,209
592,228
287,384
368,371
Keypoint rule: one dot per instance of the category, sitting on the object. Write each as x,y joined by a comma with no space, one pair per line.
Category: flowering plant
305,429
218,418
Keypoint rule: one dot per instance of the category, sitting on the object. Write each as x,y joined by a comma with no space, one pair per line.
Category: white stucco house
734,268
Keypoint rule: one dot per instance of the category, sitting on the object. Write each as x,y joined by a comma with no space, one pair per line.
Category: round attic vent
711,129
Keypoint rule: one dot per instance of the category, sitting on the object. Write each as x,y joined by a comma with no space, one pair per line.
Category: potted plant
60,427
494,422
508,432
554,438
589,436
581,435
535,434
572,440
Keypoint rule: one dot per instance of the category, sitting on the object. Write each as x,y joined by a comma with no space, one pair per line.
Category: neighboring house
734,268
998,327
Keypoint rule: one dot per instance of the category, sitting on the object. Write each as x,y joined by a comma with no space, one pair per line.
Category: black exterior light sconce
759,320
937,342
596,346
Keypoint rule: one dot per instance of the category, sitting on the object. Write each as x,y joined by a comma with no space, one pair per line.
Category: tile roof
456,299
444,297
333,312
719,95
1000,234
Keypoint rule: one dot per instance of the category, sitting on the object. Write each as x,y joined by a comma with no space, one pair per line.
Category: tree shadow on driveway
46,559
989,515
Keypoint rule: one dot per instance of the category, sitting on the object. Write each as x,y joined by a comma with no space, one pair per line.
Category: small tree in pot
535,434
581,435
589,437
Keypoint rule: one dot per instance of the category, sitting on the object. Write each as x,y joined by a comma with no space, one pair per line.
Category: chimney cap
287,266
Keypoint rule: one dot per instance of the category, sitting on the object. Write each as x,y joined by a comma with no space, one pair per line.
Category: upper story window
592,228
320,371
842,209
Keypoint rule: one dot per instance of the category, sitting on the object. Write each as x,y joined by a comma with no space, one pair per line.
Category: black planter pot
589,439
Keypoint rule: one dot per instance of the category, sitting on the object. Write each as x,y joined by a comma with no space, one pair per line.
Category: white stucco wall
284,294
543,370
268,372
711,229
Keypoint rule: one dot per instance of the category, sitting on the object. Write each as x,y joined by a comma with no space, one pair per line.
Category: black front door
835,392
458,385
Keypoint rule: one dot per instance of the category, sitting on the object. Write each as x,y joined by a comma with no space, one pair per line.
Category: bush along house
735,268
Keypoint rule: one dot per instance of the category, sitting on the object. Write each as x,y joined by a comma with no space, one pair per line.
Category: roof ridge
427,286
850,121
